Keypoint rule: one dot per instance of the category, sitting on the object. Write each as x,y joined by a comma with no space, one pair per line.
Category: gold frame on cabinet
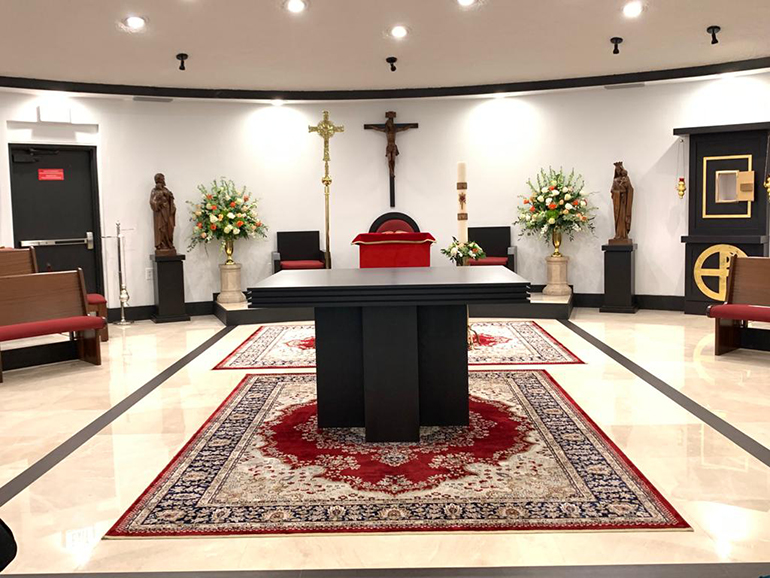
747,214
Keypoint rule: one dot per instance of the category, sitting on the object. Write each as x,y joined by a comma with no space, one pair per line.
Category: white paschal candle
462,224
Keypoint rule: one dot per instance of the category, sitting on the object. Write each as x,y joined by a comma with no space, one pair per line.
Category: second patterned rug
500,343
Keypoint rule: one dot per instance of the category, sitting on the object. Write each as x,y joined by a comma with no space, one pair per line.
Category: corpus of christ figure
390,128
162,204
622,201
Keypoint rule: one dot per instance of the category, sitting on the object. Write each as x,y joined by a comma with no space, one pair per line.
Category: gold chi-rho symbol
725,252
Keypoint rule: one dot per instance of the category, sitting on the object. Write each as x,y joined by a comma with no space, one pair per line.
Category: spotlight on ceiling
399,31
466,3
134,23
277,102
295,6
633,9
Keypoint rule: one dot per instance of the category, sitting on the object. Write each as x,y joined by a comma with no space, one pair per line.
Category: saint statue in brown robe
622,201
162,203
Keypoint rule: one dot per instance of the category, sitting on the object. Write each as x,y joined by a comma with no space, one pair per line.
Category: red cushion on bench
95,299
740,312
489,261
50,326
302,264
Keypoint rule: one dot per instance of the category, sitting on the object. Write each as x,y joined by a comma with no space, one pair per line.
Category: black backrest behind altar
394,222
494,240
299,245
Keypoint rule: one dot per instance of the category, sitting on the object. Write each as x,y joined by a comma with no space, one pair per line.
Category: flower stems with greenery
556,203
457,251
224,213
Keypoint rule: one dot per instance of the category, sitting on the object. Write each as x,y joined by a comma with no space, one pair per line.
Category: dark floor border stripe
55,456
746,443
706,570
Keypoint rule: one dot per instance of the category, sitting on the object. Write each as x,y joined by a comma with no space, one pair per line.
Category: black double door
55,205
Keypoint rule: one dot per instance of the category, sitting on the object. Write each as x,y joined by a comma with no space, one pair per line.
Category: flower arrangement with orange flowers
224,213
556,203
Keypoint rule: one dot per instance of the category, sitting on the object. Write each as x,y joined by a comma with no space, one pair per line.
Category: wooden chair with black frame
747,300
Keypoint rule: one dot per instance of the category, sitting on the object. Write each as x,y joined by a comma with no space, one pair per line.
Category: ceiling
342,44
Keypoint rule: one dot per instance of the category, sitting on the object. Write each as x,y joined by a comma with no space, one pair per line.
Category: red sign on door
50,174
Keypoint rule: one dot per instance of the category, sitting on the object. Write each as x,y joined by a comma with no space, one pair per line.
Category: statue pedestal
230,277
619,278
169,289
557,276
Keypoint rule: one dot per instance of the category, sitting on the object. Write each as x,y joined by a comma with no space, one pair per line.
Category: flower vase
229,251
556,240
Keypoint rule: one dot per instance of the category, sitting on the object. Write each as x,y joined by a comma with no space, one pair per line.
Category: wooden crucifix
390,128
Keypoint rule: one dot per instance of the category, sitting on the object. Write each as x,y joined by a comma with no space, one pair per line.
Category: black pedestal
169,289
619,279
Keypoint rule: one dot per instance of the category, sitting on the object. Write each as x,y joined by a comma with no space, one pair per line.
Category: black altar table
391,349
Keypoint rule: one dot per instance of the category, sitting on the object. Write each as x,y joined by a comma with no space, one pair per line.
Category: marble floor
60,518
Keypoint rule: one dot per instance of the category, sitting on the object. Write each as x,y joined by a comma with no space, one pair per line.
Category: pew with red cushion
48,304
747,299
24,262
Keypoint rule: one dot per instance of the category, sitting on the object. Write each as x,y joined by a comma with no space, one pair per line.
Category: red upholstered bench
47,304
747,299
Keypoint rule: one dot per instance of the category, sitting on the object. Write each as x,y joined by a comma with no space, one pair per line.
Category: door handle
88,241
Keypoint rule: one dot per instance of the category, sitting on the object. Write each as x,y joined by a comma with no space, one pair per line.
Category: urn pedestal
230,277
557,276
169,289
619,293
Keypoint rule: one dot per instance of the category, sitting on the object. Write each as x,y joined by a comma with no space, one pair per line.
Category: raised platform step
540,307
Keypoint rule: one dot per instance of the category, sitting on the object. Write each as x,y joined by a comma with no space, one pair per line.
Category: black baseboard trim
144,312
596,300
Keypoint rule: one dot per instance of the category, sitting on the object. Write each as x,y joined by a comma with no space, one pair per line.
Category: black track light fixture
181,57
616,41
392,61
714,30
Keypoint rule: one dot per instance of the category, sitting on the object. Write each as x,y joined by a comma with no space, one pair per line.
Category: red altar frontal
394,249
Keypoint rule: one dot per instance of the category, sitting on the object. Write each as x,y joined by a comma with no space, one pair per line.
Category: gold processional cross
326,129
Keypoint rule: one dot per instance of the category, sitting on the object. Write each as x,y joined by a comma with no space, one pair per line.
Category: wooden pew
748,299
48,304
24,262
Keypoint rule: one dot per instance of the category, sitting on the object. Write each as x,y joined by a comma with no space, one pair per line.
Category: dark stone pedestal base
619,279
169,289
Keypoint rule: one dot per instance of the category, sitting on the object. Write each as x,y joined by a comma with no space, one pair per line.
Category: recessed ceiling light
466,3
633,9
277,102
399,31
296,6
135,23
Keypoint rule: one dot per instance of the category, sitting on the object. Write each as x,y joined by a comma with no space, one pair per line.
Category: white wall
504,142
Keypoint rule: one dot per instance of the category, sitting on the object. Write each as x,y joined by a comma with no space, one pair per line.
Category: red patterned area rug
500,343
530,460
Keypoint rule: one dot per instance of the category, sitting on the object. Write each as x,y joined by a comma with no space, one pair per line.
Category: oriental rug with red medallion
530,460
499,343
